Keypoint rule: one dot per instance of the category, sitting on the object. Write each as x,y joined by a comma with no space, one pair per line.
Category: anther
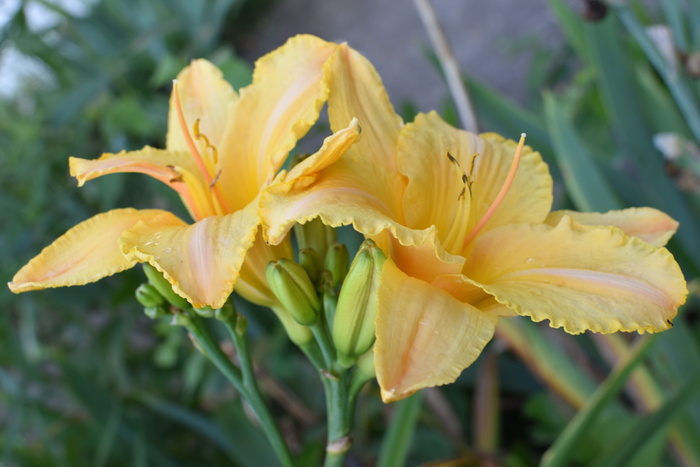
465,178
501,194
188,137
216,179
178,176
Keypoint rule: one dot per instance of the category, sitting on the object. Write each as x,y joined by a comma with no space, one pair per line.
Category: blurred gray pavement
390,33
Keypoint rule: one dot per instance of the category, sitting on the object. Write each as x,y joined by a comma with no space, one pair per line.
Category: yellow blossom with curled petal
222,149
465,220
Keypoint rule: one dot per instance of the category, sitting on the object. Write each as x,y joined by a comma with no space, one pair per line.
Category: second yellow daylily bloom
471,239
222,150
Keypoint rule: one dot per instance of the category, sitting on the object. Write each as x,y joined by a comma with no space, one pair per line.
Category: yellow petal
424,258
425,337
252,284
205,96
363,188
579,277
202,261
288,90
356,91
651,225
332,190
176,169
465,291
87,252
305,173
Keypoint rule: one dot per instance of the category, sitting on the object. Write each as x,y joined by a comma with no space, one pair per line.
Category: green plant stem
398,439
242,379
323,339
339,419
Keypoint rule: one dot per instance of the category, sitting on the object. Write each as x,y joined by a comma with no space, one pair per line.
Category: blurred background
87,379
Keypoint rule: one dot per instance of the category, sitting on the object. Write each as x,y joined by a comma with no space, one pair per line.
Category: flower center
500,196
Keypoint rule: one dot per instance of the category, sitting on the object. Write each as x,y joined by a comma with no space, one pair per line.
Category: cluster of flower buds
352,323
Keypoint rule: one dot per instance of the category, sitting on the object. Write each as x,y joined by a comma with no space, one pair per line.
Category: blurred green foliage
86,379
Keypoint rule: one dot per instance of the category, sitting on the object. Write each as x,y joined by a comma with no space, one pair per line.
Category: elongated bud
156,279
337,260
241,325
181,319
293,288
365,368
300,335
312,263
205,312
314,235
148,296
353,325
226,313
154,312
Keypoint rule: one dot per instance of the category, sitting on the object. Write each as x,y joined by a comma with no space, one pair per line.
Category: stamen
470,181
216,179
195,153
465,178
188,138
201,136
501,194
177,178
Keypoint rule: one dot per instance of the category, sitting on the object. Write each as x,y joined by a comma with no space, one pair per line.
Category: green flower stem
313,353
339,405
242,379
339,418
398,439
323,339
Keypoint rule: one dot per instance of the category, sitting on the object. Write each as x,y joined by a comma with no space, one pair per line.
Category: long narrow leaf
194,421
585,183
562,449
397,440
618,453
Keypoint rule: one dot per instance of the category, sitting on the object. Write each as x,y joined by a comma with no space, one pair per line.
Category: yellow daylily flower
466,222
222,149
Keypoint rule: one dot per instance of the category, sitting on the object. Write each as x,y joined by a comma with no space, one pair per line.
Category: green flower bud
337,260
181,319
293,288
314,235
312,263
300,335
353,326
226,313
241,325
161,284
365,369
154,312
206,312
148,296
